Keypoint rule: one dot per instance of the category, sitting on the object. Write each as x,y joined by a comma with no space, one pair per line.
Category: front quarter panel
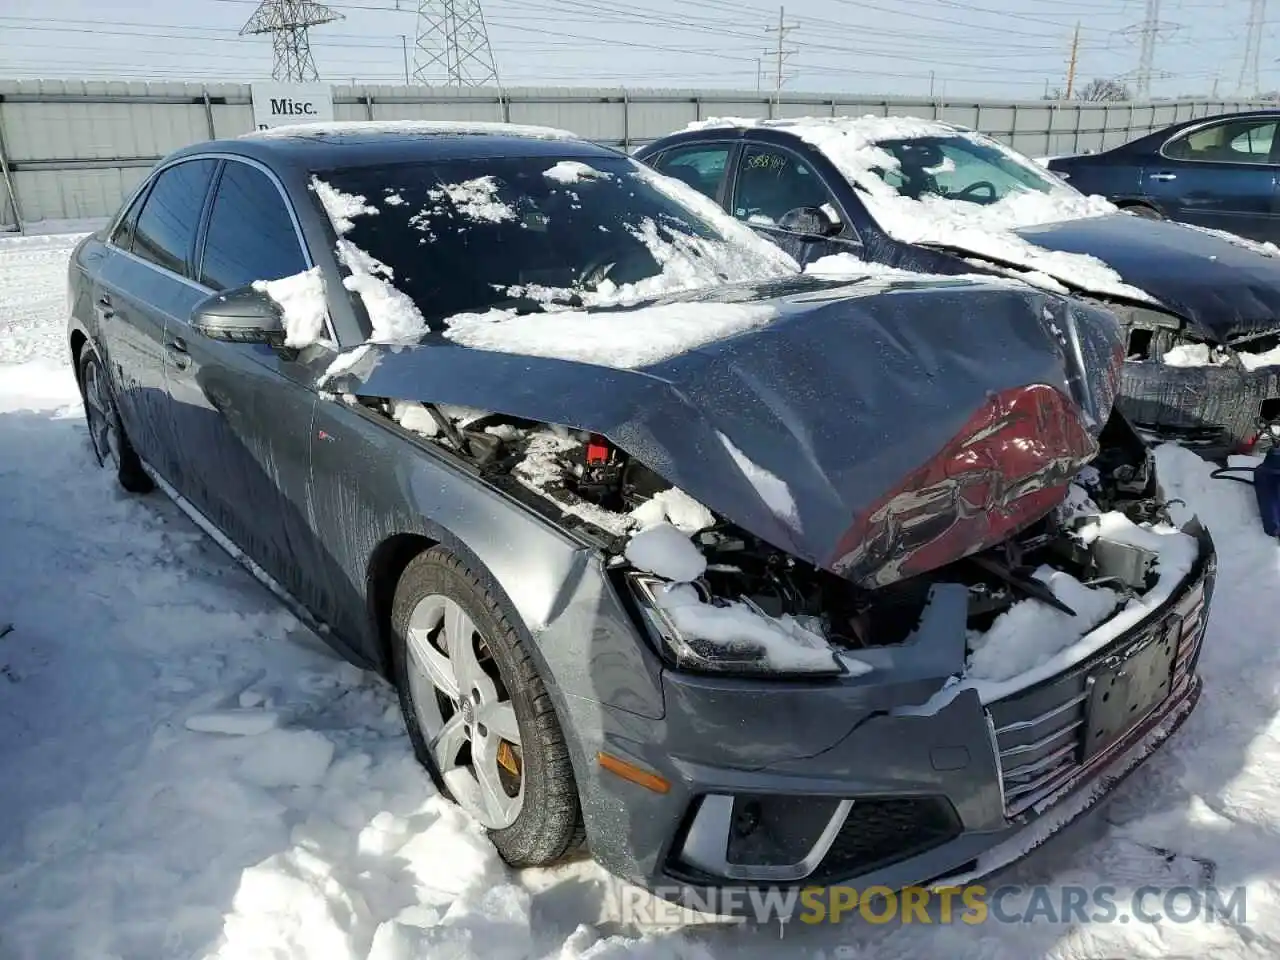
372,481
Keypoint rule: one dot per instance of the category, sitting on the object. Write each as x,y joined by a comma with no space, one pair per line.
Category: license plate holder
1121,696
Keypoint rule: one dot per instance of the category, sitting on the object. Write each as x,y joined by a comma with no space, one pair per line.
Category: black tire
128,467
1143,211
549,825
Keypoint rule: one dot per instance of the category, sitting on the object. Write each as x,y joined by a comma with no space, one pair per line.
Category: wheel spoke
499,720
500,809
437,667
447,743
459,639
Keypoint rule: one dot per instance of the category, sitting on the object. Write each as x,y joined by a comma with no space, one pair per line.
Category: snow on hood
852,146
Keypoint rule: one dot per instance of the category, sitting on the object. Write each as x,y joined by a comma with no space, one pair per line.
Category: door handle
104,307
178,344
1162,176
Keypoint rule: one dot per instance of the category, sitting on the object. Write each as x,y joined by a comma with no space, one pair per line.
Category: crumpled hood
875,430
1225,289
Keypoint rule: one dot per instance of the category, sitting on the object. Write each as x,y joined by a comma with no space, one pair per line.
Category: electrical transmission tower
1151,30
453,45
1249,82
288,22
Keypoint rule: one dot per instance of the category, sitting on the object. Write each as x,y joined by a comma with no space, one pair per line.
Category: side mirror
245,315
811,221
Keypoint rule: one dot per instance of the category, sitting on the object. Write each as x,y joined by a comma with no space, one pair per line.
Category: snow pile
784,643
393,316
414,416
982,229
1196,355
301,299
573,171
1030,631
357,128
675,507
475,199
624,339
667,552
1256,361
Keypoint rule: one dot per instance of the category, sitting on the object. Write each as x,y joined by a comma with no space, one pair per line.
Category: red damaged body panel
1007,467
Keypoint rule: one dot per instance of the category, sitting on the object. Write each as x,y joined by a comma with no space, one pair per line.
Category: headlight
729,637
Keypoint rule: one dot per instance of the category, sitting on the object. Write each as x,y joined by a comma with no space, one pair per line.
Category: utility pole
780,54
1071,63
404,49
1249,80
453,45
288,22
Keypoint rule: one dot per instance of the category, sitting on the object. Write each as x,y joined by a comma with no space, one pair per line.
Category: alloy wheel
465,712
100,411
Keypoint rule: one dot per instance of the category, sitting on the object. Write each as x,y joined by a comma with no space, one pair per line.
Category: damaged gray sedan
738,576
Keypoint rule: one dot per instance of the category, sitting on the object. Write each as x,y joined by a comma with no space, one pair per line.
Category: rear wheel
478,714
106,431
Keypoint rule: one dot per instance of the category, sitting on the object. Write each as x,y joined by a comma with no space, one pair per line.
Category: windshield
960,168
527,233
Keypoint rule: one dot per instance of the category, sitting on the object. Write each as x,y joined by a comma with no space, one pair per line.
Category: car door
143,279
1220,175
242,411
771,184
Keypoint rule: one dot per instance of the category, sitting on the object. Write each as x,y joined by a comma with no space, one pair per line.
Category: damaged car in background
1200,307
739,575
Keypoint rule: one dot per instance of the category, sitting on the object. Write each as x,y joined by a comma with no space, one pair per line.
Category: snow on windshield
571,171
475,199
523,251
392,315
975,209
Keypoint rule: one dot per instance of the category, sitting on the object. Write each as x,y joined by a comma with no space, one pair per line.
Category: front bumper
886,797
1214,410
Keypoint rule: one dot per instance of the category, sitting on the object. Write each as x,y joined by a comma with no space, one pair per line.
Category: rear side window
251,234
702,166
1236,141
166,230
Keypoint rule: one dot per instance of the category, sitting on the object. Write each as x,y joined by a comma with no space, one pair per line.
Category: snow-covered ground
186,772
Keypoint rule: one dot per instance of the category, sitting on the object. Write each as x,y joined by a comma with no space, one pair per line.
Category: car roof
790,129
357,144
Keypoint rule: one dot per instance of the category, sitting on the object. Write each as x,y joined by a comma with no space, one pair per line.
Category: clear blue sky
996,48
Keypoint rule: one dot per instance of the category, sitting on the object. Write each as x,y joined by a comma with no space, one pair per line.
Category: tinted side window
1237,141
772,182
122,236
167,225
701,166
251,235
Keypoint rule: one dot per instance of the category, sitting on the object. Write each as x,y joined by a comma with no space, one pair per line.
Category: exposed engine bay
583,482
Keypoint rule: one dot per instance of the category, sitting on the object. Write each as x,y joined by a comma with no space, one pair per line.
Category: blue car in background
1217,172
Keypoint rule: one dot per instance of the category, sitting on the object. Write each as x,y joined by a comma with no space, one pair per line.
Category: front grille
883,831
1040,733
